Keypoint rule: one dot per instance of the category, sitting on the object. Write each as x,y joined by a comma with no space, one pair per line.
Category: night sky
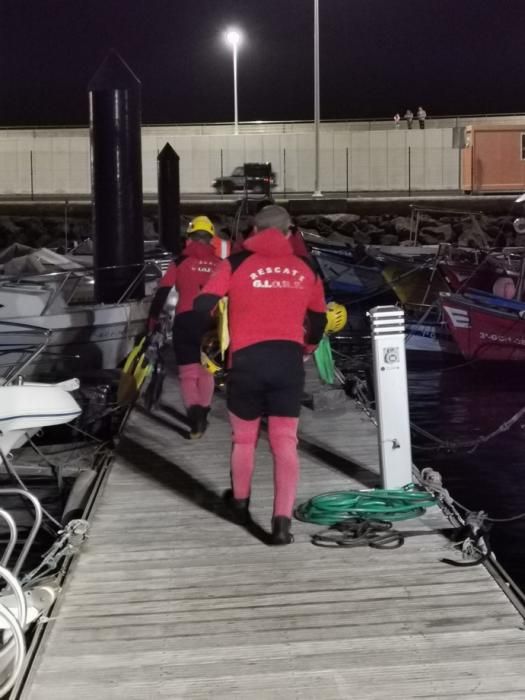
377,57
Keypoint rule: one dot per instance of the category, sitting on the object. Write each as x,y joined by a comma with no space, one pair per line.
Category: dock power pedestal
391,394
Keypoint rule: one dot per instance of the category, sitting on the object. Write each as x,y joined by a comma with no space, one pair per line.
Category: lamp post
317,109
234,37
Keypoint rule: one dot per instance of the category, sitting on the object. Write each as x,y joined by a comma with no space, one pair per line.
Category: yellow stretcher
137,368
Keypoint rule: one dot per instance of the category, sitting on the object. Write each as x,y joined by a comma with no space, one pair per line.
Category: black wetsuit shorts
188,330
266,379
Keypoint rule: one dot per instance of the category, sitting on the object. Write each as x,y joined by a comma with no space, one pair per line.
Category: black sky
377,57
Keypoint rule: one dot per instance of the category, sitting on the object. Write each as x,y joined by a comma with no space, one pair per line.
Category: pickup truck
254,177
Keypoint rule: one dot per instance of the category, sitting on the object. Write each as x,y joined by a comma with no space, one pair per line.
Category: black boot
195,421
201,420
238,506
281,530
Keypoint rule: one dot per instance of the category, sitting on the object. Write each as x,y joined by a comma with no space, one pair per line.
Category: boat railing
31,342
417,212
13,650
23,493
15,625
77,275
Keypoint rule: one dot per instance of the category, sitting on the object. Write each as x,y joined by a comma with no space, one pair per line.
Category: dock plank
170,599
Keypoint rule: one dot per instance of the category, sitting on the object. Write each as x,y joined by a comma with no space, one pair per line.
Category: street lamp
234,38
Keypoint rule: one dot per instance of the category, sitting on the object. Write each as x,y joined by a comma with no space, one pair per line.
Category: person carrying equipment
188,274
271,293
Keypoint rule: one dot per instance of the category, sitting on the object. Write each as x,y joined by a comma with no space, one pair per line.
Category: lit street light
234,38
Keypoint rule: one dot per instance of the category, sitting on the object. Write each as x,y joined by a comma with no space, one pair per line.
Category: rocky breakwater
480,230
51,232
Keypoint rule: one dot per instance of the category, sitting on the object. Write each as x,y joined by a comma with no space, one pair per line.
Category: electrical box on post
391,393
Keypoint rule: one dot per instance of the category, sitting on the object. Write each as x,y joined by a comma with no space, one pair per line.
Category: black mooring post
169,200
116,180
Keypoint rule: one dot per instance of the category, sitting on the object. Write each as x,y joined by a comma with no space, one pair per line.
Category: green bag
325,361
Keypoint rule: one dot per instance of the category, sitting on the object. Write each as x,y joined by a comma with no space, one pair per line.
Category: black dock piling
116,180
169,199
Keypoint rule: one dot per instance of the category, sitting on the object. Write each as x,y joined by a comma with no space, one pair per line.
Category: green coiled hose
377,504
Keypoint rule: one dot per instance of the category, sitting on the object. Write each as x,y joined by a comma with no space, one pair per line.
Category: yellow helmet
336,317
201,223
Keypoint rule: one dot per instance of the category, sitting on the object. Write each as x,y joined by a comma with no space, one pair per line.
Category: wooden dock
170,599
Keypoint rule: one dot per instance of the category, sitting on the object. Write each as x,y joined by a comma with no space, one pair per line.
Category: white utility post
391,394
233,37
317,106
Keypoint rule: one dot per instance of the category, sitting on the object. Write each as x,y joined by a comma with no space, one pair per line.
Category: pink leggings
196,385
282,434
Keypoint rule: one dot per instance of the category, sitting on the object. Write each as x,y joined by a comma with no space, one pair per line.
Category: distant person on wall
409,116
397,120
421,116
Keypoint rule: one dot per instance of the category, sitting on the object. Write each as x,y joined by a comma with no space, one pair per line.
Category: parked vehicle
253,177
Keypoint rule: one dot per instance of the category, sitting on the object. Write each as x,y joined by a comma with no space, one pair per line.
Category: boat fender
504,287
78,495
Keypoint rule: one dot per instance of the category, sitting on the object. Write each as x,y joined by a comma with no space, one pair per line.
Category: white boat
430,337
83,335
25,409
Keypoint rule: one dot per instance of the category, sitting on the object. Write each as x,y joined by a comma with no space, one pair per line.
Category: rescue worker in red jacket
296,240
188,274
271,293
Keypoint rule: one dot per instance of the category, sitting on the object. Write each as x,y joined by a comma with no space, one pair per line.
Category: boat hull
82,339
342,275
430,338
483,332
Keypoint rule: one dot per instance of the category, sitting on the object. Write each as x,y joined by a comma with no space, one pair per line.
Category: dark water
459,404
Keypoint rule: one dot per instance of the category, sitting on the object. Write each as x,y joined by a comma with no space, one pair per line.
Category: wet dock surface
171,599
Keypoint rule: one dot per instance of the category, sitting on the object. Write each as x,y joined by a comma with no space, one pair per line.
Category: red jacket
189,273
271,291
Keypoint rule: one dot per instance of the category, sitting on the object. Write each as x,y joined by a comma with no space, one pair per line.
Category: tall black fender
169,199
116,180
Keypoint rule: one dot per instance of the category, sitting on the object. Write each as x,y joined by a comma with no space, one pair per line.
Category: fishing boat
458,273
485,326
431,338
344,276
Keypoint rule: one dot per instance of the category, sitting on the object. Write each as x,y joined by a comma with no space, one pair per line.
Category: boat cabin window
523,146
